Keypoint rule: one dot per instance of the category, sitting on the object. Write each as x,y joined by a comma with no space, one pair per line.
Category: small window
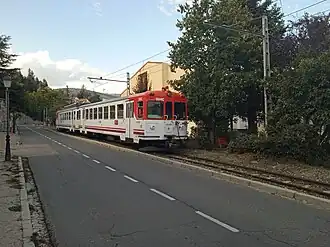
180,110
112,112
140,109
168,110
120,111
155,109
95,113
78,114
129,110
70,113
106,112
86,114
100,115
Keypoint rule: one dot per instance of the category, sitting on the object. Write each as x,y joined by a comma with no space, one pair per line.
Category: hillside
74,91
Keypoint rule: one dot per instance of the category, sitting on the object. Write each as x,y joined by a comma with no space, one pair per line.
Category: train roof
152,93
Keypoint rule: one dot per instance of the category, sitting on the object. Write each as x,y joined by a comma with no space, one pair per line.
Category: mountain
74,91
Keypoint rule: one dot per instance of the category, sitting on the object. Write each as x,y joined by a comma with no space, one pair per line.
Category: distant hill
74,91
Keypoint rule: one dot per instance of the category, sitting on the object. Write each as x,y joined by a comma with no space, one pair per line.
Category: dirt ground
276,165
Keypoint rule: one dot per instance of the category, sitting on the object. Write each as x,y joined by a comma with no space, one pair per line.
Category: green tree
83,93
6,58
223,68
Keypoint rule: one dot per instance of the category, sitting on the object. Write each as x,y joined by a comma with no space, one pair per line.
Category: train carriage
149,118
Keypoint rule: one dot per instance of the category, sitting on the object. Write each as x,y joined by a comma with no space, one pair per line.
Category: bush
297,142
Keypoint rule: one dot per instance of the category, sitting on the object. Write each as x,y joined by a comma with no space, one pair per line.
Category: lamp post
7,84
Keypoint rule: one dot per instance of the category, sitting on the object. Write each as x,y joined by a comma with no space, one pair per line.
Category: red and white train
148,118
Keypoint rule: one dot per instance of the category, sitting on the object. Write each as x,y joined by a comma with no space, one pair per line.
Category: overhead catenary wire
136,63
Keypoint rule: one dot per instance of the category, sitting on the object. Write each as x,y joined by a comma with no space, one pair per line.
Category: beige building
154,76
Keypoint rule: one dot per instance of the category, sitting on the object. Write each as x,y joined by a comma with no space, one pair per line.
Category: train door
129,118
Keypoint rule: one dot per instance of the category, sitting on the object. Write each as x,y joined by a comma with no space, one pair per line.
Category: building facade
152,76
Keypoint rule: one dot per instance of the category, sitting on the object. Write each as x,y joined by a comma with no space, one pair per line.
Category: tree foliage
142,83
223,68
224,75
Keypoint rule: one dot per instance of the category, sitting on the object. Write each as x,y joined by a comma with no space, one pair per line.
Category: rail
303,184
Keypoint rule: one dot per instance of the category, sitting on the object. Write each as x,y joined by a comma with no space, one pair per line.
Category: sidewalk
12,188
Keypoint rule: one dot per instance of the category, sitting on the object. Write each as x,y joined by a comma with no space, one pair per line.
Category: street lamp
7,84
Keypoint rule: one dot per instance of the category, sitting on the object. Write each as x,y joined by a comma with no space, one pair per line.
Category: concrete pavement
96,196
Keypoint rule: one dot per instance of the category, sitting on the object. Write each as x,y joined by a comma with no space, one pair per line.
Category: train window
120,111
168,110
155,109
90,113
112,112
180,110
140,109
86,113
106,112
70,113
95,113
100,115
78,114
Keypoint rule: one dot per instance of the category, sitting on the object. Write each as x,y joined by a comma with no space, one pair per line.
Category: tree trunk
14,123
252,121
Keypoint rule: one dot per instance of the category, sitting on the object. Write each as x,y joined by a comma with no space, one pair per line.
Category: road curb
304,198
25,210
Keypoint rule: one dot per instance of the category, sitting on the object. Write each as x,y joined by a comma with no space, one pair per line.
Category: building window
100,113
112,112
120,111
140,109
106,112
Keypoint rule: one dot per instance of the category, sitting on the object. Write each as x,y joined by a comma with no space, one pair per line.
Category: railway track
309,186
313,187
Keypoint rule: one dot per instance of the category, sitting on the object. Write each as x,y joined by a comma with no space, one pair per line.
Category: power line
131,65
304,8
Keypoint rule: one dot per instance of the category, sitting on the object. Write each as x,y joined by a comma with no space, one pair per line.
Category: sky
64,41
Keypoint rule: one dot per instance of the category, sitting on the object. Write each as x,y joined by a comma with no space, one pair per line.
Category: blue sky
105,34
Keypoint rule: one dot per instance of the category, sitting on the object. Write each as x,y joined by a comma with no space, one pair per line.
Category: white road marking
96,161
163,194
86,156
224,225
69,148
110,168
132,179
77,151
65,146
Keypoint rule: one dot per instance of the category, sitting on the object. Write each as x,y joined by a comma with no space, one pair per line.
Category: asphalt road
96,196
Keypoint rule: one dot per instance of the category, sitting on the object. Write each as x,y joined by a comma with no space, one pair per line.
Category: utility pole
128,85
266,55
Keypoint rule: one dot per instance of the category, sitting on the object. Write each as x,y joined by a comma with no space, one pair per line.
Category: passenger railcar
148,118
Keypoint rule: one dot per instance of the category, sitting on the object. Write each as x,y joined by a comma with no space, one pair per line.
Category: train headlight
152,127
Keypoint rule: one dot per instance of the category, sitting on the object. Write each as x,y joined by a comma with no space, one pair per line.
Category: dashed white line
110,168
224,225
86,156
163,194
132,179
96,161
69,148
77,151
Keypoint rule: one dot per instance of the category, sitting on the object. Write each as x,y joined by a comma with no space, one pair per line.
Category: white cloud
169,7
71,72
97,8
